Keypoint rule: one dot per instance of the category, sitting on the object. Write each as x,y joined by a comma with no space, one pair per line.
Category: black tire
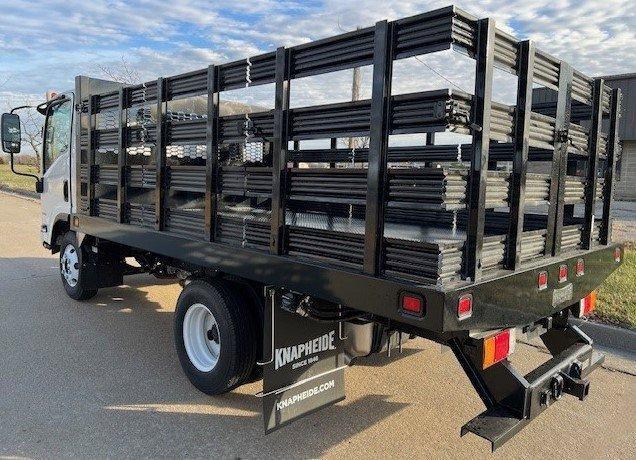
236,331
256,308
79,291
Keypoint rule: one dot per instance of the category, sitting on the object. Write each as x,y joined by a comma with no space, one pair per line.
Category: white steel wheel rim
69,265
201,337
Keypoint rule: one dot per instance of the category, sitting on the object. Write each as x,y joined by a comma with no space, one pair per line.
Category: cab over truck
295,260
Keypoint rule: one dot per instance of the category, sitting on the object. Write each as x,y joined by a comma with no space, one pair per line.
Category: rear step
513,400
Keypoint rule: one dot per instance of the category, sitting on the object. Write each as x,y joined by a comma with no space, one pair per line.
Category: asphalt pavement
101,378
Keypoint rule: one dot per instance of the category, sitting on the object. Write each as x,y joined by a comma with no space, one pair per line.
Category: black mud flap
102,267
304,371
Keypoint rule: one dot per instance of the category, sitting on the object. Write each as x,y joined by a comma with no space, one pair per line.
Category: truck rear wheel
72,269
215,336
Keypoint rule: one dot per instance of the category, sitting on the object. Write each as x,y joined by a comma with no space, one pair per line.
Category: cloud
44,44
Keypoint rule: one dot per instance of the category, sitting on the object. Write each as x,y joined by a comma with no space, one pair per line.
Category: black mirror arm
37,178
21,107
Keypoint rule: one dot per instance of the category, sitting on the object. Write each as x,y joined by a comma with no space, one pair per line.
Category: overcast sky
44,44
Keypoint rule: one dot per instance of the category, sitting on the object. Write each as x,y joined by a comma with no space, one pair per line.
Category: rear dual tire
216,336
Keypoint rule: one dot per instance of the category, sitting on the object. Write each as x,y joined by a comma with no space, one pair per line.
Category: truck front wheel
72,270
215,336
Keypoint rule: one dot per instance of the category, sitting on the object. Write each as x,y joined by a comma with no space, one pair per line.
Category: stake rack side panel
375,219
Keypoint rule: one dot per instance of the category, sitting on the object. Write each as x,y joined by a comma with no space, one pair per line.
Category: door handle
66,190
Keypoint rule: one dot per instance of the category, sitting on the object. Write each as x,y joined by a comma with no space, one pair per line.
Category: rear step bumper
513,400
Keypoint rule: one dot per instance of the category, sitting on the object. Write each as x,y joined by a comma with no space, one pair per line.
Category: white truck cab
56,182
56,198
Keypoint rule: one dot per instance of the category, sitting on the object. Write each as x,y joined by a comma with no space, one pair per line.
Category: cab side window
57,135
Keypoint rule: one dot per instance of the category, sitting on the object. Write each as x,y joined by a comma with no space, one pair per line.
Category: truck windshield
57,135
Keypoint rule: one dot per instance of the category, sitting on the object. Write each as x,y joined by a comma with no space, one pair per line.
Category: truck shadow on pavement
114,385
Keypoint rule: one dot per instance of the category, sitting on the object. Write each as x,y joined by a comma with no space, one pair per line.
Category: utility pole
355,96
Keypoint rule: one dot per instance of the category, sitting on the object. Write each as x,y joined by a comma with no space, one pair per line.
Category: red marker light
580,267
542,280
563,273
465,306
412,304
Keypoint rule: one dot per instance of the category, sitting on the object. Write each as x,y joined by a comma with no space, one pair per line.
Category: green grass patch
13,181
616,302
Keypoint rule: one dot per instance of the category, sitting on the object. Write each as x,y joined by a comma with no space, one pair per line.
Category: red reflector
502,345
412,304
542,280
617,254
580,267
563,273
465,306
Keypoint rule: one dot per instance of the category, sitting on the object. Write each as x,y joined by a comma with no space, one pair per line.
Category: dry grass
15,182
617,296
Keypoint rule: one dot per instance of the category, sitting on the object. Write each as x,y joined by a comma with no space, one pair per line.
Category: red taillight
498,347
587,304
465,306
580,267
412,304
617,254
563,273
542,280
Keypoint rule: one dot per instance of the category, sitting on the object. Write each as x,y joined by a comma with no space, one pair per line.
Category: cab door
56,157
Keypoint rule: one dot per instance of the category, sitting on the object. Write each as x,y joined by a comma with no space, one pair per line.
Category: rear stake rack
366,227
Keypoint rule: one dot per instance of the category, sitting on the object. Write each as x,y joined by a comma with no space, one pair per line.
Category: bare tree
32,124
31,127
122,72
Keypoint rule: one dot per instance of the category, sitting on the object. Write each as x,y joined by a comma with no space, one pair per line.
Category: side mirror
10,132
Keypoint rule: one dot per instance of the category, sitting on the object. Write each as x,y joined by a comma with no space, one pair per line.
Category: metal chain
144,130
248,121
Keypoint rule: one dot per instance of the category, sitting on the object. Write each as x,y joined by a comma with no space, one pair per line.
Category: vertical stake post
592,164
559,161
279,154
480,148
378,146
610,168
212,154
160,158
521,146
121,157
90,167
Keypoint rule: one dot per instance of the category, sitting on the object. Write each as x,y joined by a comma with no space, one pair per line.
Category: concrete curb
612,337
19,193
